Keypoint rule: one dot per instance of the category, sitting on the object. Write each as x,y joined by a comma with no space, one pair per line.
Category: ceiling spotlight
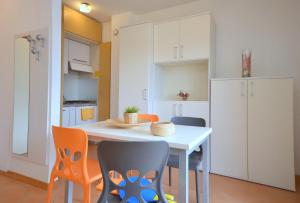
85,7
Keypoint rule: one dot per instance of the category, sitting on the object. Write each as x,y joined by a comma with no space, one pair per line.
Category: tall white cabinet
183,50
135,62
157,60
253,137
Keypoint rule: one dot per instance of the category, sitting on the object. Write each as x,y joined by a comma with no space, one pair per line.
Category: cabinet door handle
78,60
175,52
145,94
251,88
174,109
242,88
181,51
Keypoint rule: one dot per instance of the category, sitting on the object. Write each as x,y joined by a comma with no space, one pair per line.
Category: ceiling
103,9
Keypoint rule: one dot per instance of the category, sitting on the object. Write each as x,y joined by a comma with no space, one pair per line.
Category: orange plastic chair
150,117
71,146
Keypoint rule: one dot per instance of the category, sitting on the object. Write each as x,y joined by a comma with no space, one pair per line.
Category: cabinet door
72,119
270,132
65,118
195,38
79,52
134,67
166,110
66,55
229,124
196,109
166,42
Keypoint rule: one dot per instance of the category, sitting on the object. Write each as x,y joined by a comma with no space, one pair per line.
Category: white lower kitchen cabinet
252,121
168,109
71,116
68,116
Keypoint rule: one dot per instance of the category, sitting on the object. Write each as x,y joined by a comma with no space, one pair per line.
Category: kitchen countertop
79,103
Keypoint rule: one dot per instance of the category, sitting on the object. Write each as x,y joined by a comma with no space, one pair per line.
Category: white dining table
185,140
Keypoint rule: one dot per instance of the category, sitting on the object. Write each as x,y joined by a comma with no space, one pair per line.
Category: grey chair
123,157
195,159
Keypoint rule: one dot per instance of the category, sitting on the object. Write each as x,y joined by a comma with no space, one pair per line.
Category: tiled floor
223,190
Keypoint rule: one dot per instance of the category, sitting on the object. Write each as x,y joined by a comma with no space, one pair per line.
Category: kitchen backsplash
80,86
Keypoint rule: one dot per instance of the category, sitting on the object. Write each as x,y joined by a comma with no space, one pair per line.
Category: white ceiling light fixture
85,8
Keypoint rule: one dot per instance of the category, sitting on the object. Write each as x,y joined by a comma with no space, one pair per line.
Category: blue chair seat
147,194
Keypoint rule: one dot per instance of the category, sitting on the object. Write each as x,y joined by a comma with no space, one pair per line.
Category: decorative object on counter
246,63
162,128
121,124
183,95
131,115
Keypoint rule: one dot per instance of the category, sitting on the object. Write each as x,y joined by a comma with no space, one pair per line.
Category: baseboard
25,179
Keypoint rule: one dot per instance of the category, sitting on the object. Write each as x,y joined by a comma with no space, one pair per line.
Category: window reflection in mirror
21,96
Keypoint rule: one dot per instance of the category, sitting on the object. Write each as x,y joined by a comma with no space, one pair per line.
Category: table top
185,137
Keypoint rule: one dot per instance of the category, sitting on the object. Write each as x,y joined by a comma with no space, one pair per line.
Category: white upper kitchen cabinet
166,42
195,38
229,124
270,132
79,52
135,62
186,39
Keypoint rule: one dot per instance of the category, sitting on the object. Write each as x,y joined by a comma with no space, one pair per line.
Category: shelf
172,78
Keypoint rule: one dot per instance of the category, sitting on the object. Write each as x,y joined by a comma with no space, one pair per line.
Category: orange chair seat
93,170
150,117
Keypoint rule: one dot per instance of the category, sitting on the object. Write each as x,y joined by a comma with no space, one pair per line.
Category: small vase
130,118
246,63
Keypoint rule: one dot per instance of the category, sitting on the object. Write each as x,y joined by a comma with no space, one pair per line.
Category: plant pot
131,118
184,98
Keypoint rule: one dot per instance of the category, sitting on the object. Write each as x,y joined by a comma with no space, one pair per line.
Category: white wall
18,16
269,27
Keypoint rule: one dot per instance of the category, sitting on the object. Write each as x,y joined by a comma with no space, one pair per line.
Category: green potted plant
131,115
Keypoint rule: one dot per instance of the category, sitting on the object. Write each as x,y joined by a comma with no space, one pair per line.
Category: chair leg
170,175
50,189
197,180
87,193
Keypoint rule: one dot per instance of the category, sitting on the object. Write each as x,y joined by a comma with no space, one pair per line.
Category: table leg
69,192
183,177
205,148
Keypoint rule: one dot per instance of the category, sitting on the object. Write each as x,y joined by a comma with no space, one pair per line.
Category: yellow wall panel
104,81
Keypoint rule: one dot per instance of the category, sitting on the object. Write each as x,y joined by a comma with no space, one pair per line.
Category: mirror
21,96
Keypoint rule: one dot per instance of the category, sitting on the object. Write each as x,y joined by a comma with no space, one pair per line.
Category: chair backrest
140,157
71,154
190,121
150,117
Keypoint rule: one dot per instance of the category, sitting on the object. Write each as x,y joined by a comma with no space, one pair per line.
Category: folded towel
87,114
